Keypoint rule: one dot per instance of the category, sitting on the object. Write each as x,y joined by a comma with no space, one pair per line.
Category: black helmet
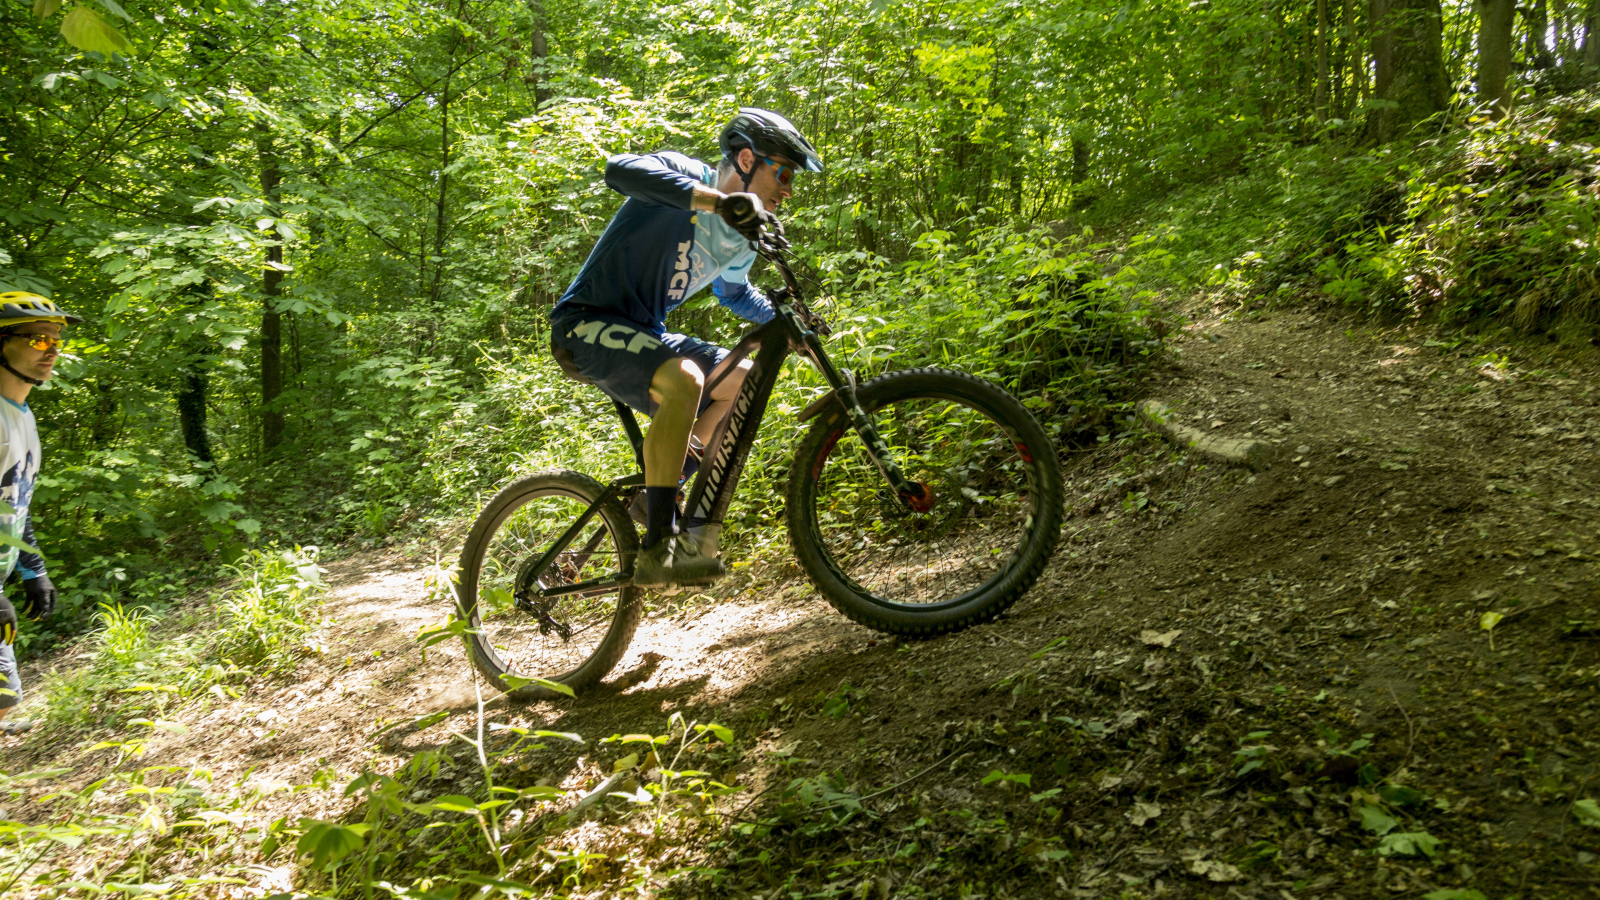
768,133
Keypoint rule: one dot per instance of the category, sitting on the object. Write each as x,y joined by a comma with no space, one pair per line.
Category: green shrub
263,626
1497,220
265,623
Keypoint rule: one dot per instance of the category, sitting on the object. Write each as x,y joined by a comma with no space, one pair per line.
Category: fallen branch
598,794
1254,455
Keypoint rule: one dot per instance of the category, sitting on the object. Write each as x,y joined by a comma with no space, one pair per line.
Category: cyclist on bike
30,341
684,227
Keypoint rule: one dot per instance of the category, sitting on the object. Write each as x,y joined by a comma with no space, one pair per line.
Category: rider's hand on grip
746,215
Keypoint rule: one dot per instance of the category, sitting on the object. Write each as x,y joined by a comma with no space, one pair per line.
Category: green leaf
83,28
1489,620
1587,811
1455,894
9,541
115,9
161,725
563,735
722,732
1400,795
455,803
431,719
836,707
450,891
363,780
1375,820
326,842
44,9
503,885
1409,843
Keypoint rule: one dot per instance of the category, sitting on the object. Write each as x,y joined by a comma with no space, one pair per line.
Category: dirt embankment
1228,684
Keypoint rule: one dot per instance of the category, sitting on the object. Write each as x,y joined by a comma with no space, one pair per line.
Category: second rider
684,226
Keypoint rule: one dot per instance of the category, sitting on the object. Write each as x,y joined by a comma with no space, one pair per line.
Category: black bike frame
794,328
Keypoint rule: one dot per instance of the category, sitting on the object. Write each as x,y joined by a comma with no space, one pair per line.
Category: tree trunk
1347,32
107,427
440,220
539,53
191,398
1080,166
1080,157
1591,41
271,320
1537,49
1408,70
1320,100
193,385
1495,20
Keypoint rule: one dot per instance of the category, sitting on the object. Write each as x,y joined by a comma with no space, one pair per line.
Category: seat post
631,426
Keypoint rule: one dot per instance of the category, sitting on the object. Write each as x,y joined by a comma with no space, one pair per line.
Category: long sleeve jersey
19,470
657,252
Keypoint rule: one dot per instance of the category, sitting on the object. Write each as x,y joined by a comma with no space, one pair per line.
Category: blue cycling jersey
657,252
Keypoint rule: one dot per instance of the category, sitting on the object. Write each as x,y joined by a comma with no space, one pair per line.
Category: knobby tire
822,527
491,548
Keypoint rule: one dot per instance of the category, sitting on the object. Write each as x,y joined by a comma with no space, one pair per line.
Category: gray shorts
11,691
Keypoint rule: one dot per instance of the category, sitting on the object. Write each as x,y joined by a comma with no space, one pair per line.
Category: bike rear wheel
574,640
996,513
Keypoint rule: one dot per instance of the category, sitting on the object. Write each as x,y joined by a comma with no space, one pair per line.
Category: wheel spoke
520,632
979,522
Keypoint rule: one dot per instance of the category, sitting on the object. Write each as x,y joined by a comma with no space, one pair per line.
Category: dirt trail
1190,608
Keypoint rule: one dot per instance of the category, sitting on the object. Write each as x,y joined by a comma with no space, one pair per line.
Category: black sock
661,507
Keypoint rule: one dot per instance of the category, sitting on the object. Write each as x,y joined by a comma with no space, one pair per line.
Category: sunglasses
42,342
785,173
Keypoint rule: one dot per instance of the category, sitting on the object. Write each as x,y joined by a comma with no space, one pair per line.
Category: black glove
746,215
38,597
8,622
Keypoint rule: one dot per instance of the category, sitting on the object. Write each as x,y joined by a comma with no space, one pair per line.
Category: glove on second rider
8,622
747,216
38,597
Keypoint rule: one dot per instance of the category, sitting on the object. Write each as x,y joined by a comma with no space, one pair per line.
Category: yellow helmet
22,307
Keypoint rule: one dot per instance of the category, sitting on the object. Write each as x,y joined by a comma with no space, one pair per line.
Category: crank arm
592,586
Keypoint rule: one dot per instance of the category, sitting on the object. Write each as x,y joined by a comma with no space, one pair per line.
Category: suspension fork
917,496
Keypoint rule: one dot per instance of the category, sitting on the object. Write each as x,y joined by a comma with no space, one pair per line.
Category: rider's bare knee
678,382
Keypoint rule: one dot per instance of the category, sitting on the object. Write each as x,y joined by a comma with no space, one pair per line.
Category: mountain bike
919,503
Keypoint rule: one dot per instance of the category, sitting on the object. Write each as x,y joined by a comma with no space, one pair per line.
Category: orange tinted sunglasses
43,341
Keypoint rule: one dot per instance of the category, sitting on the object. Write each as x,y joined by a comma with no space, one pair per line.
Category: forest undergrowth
1281,682
1368,668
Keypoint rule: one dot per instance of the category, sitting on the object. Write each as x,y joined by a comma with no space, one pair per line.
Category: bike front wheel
573,639
996,509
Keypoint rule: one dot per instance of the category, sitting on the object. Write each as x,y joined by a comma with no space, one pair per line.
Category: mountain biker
684,226
30,342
